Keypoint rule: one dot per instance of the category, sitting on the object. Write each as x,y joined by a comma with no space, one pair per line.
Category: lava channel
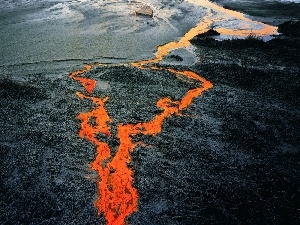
117,197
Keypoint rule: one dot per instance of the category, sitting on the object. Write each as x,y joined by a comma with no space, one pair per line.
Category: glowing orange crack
88,84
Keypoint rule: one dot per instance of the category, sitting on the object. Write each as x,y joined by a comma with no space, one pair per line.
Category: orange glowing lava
117,197
88,84
230,14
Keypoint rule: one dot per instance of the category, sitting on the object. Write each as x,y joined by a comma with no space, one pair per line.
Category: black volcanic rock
207,34
176,57
18,90
290,28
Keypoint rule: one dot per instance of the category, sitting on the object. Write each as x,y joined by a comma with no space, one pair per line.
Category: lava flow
88,84
117,197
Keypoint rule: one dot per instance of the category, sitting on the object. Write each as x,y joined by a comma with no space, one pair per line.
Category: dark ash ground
268,11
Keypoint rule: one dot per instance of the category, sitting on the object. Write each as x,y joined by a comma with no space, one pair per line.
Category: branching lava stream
117,197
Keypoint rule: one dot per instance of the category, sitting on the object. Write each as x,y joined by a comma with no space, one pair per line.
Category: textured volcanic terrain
228,155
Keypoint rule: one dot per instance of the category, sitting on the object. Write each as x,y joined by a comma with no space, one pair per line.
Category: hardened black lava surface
233,157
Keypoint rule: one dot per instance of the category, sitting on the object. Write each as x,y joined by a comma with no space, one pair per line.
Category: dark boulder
176,57
290,28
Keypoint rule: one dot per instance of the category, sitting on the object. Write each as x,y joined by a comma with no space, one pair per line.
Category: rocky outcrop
145,11
205,35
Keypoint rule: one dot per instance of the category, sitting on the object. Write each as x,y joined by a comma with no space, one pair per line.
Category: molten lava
88,84
117,197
